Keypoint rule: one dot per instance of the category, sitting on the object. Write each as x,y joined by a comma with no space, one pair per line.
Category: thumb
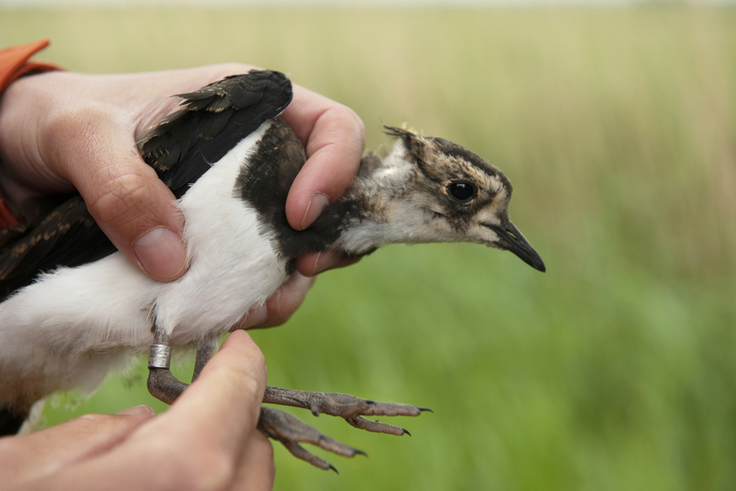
123,194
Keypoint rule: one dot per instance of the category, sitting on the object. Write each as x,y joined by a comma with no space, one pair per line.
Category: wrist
15,63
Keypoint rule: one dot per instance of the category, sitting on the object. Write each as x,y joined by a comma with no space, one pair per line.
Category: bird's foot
280,425
345,406
290,430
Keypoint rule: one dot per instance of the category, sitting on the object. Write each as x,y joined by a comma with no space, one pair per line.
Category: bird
72,308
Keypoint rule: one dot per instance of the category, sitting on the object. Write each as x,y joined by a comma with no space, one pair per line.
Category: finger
93,147
335,137
222,407
256,469
283,303
45,451
170,82
280,306
312,263
198,442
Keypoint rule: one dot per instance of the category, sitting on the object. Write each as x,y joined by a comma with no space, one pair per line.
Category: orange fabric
7,217
14,64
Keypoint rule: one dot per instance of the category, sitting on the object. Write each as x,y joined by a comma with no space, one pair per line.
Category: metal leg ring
160,356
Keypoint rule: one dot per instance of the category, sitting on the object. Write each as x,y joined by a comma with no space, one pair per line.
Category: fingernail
323,262
131,411
161,252
255,316
315,207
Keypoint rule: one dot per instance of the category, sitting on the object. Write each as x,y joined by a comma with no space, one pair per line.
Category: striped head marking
453,195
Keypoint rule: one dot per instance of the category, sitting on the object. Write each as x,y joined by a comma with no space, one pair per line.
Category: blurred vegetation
615,370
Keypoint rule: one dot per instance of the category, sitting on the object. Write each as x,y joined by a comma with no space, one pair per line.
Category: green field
616,370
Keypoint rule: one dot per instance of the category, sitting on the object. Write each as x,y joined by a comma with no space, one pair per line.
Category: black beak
513,240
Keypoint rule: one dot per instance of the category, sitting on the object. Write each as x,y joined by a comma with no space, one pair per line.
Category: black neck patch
265,182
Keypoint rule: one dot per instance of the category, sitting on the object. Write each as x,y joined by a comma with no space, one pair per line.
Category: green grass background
615,370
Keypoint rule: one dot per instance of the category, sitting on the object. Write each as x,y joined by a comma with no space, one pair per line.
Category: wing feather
213,119
181,148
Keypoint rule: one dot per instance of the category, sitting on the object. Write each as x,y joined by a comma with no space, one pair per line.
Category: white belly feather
71,326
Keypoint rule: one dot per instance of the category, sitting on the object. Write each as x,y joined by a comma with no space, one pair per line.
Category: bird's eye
462,191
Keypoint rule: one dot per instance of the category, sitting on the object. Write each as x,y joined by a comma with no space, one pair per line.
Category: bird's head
431,190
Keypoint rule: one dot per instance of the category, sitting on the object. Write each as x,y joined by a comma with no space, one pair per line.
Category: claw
303,454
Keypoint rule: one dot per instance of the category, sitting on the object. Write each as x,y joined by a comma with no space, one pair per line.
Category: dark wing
181,148
67,236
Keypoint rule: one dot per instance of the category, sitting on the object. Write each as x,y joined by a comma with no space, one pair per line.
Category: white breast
234,265
71,326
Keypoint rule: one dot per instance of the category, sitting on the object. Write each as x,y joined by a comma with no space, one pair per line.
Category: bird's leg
275,423
161,382
204,353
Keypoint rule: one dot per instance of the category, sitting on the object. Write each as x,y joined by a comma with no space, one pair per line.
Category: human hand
60,131
206,440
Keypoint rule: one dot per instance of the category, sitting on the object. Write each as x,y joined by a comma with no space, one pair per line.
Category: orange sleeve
14,64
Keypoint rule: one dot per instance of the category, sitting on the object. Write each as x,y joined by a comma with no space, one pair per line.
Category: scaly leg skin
204,353
287,429
161,382
277,424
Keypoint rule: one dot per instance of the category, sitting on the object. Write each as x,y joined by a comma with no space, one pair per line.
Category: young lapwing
73,308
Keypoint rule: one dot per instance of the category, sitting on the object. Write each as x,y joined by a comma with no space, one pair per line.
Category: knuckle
357,122
354,122
120,197
352,129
